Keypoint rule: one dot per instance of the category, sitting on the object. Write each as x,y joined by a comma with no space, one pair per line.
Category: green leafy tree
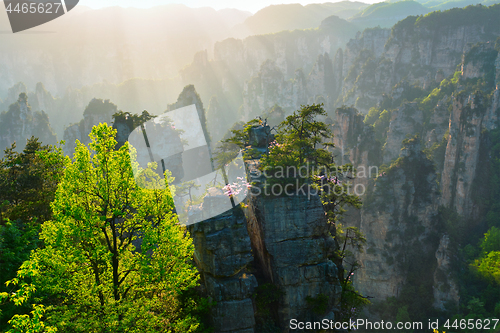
28,182
301,141
349,239
236,140
489,262
114,258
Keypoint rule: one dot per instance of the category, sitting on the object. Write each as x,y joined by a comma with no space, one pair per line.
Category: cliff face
291,242
187,97
286,68
290,50
265,264
270,88
96,112
20,122
399,231
223,254
369,66
470,116
406,120
417,50
400,216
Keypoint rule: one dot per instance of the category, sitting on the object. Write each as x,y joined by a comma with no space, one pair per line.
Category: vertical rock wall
222,254
292,243
471,115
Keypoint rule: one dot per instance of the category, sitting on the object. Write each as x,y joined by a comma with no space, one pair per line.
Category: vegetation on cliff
297,156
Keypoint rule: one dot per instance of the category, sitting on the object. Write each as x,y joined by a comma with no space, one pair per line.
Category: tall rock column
291,244
397,219
471,114
222,253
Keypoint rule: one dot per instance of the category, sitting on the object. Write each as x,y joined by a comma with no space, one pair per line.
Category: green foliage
132,120
453,18
381,126
32,323
491,241
379,119
372,116
300,141
28,182
488,265
437,151
238,140
352,302
350,240
267,297
113,257
318,304
403,317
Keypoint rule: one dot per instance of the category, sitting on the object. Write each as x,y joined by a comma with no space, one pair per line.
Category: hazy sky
252,5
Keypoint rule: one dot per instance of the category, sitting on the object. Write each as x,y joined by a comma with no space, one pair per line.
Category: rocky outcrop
97,111
405,121
290,50
478,61
291,243
270,87
223,254
219,119
288,57
438,123
445,288
378,59
188,97
347,128
355,143
398,230
372,40
20,123
285,241
470,115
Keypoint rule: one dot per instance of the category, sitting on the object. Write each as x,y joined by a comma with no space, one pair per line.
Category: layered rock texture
421,156
431,85
264,265
472,115
223,254
292,243
434,155
399,231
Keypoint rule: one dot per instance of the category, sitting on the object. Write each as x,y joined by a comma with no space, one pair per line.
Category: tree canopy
114,258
